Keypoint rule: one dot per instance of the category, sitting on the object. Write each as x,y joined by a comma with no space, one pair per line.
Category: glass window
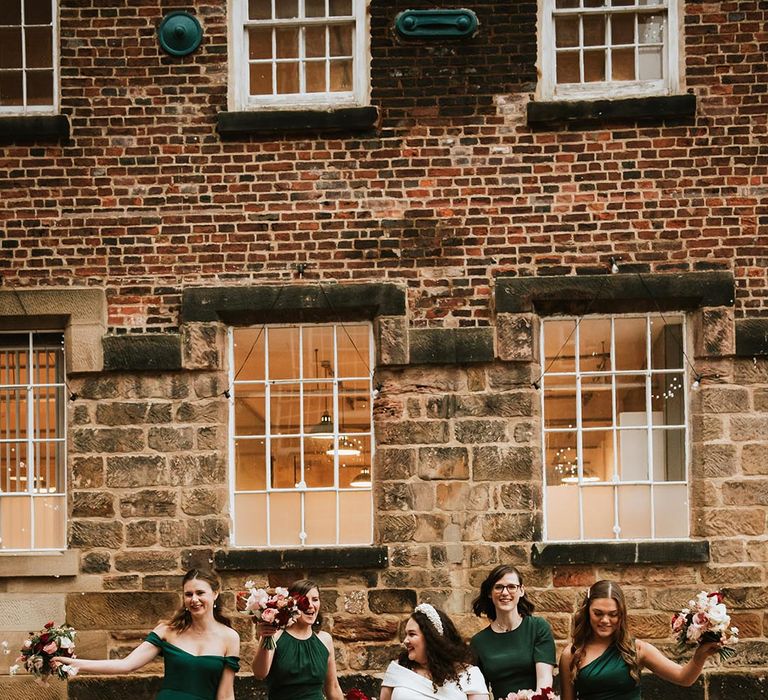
28,56
32,442
614,423
609,47
301,438
301,52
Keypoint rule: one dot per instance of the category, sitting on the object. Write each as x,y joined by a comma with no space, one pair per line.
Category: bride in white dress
435,663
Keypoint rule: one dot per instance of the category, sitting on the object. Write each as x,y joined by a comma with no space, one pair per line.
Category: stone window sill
345,120
564,112
44,564
38,128
650,552
316,558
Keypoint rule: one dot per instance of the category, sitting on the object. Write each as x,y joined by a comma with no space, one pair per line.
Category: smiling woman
200,649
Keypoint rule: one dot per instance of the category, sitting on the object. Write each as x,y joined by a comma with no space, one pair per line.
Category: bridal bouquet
545,694
277,608
38,651
705,620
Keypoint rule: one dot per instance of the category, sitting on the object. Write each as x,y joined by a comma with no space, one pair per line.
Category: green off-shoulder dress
298,669
190,677
606,678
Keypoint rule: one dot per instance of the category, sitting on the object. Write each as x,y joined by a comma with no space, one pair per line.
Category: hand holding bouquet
544,694
278,609
38,651
706,620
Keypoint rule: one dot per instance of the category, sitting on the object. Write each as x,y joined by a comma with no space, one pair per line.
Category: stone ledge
38,128
620,293
316,558
656,108
346,120
148,352
66,563
441,346
751,337
661,552
297,302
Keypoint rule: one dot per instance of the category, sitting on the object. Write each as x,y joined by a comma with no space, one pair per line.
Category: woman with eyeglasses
517,650
604,660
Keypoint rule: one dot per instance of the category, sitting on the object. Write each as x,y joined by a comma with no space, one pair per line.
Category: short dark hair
302,587
483,605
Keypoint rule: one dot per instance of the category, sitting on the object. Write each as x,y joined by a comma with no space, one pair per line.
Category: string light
614,266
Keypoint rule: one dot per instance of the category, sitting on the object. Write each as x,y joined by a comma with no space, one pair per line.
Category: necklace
496,627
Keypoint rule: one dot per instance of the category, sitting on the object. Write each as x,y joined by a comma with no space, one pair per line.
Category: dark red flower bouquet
355,694
277,608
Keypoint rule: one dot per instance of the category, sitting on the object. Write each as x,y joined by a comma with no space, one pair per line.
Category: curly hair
181,619
582,629
448,655
302,587
483,605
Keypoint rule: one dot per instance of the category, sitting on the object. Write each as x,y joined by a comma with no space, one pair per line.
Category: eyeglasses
512,588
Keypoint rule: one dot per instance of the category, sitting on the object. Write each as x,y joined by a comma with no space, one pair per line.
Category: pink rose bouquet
543,694
705,620
277,608
39,649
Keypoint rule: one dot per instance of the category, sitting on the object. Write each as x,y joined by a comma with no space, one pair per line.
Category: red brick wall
453,190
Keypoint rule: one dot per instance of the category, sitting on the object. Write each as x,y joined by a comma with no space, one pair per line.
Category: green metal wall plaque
436,24
179,33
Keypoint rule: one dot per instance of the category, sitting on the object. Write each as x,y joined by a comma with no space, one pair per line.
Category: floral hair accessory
431,614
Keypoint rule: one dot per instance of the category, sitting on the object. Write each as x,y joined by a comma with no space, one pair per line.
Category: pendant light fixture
362,480
324,429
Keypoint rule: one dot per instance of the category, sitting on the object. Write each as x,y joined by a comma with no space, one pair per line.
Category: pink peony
268,615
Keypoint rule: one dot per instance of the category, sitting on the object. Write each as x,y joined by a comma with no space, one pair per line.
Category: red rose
50,624
302,603
355,694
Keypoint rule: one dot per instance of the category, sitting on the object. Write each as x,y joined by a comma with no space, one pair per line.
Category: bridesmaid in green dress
303,664
604,661
200,649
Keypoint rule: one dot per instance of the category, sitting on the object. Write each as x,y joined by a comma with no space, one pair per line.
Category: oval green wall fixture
436,24
179,33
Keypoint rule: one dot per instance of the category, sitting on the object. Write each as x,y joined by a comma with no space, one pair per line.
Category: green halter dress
190,677
606,678
298,669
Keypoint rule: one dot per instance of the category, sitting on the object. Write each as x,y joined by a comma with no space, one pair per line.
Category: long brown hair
582,629
181,619
483,603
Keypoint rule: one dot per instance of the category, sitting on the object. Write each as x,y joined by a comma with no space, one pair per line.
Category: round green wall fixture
179,33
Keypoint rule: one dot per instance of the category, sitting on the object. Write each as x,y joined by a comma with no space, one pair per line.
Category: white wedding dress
409,685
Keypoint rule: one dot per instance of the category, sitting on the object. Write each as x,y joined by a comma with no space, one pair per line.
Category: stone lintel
447,346
649,552
150,352
751,337
81,313
619,293
295,302
316,558
48,565
38,128
281,121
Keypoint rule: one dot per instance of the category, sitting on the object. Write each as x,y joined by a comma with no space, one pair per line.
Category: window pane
40,87
563,512
355,517
287,43
248,353
630,395
286,9
633,455
595,3
596,401
10,47
635,512
283,353
320,517
622,29
354,350
561,458
340,8
285,462
560,338
46,467
284,409
314,8
259,43
15,522
11,88
630,339
39,47
559,402
666,344
13,464
285,518
287,78
260,9
668,398
318,352
318,409
669,455
260,79
670,510
50,522
595,345
315,76
356,468
46,401
13,366
566,4
10,12
568,68
566,31
13,414
315,42
594,66
651,62
598,512
36,11
597,449
622,3
250,410
650,29
250,465
354,407
341,41
594,30
319,469
251,519
341,76
623,64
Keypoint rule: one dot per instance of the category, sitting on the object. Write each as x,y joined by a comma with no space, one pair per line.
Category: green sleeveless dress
606,678
190,677
298,669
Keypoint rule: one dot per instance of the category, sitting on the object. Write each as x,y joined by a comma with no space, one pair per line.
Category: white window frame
31,442
301,487
548,89
578,429
24,108
239,93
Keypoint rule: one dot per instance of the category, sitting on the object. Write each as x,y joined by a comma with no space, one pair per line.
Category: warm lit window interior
32,489
302,434
614,406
